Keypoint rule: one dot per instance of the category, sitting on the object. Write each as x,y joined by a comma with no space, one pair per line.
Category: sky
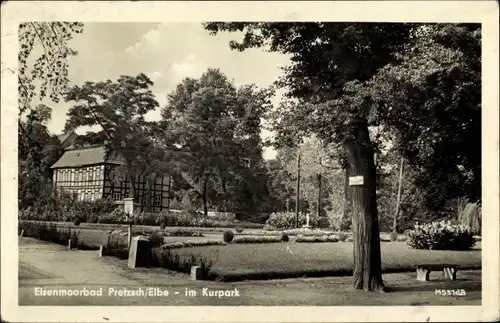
167,53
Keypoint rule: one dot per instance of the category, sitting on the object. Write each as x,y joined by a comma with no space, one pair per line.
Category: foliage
469,214
283,220
429,98
38,150
116,249
181,232
44,55
218,125
118,108
238,230
156,239
228,236
284,237
49,232
307,232
329,238
192,243
394,236
256,239
440,235
166,258
77,221
342,236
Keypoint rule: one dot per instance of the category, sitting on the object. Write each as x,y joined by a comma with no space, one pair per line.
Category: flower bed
330,238
256,239
192,243
442,235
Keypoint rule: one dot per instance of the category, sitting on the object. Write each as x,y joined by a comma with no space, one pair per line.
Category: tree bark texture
365,226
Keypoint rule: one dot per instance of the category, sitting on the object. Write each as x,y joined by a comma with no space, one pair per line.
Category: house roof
84,156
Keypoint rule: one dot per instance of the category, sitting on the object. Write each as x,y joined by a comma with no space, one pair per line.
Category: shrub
323,222
256,239
284,237
168,259
440,235
156,239
192,243
77,221
342,236
116,249
307,232
330,238
394,236
50,233
181,232
228,236
239,230
286,220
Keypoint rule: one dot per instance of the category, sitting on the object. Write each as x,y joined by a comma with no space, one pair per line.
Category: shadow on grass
234,277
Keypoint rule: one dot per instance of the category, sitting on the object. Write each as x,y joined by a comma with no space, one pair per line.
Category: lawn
287,260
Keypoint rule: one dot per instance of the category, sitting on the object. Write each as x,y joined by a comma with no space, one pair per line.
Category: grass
287,260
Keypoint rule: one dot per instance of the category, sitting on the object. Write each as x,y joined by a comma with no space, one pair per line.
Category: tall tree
38,150
219,125
431,99
118,109
325,57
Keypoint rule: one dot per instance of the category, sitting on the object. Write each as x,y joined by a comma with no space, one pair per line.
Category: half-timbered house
88,174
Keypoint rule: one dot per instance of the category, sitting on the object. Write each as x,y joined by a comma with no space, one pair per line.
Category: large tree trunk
365,227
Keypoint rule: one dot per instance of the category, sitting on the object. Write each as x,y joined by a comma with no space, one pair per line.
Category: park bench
424,271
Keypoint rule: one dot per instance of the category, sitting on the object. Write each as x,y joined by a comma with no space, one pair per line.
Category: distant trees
37,150
219,125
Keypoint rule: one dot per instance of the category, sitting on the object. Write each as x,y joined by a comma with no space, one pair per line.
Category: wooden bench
424,271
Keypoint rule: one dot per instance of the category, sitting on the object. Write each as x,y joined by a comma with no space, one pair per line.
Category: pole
319,195
398,200
297,198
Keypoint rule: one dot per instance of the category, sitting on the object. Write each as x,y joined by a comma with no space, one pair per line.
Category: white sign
356,180
128,206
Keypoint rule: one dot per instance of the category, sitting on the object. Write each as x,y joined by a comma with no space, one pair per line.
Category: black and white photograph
232,161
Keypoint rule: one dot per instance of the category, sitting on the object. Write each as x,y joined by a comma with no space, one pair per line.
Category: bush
307,232
440,235
285,237
50,233
192,243
256,239
116,249
156,239
342,236
317,239
166,258
239,230
394,236
228,236
286,220
323,222
77,221
181,232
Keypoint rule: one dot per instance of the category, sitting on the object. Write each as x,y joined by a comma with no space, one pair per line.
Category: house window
117,196
157,199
